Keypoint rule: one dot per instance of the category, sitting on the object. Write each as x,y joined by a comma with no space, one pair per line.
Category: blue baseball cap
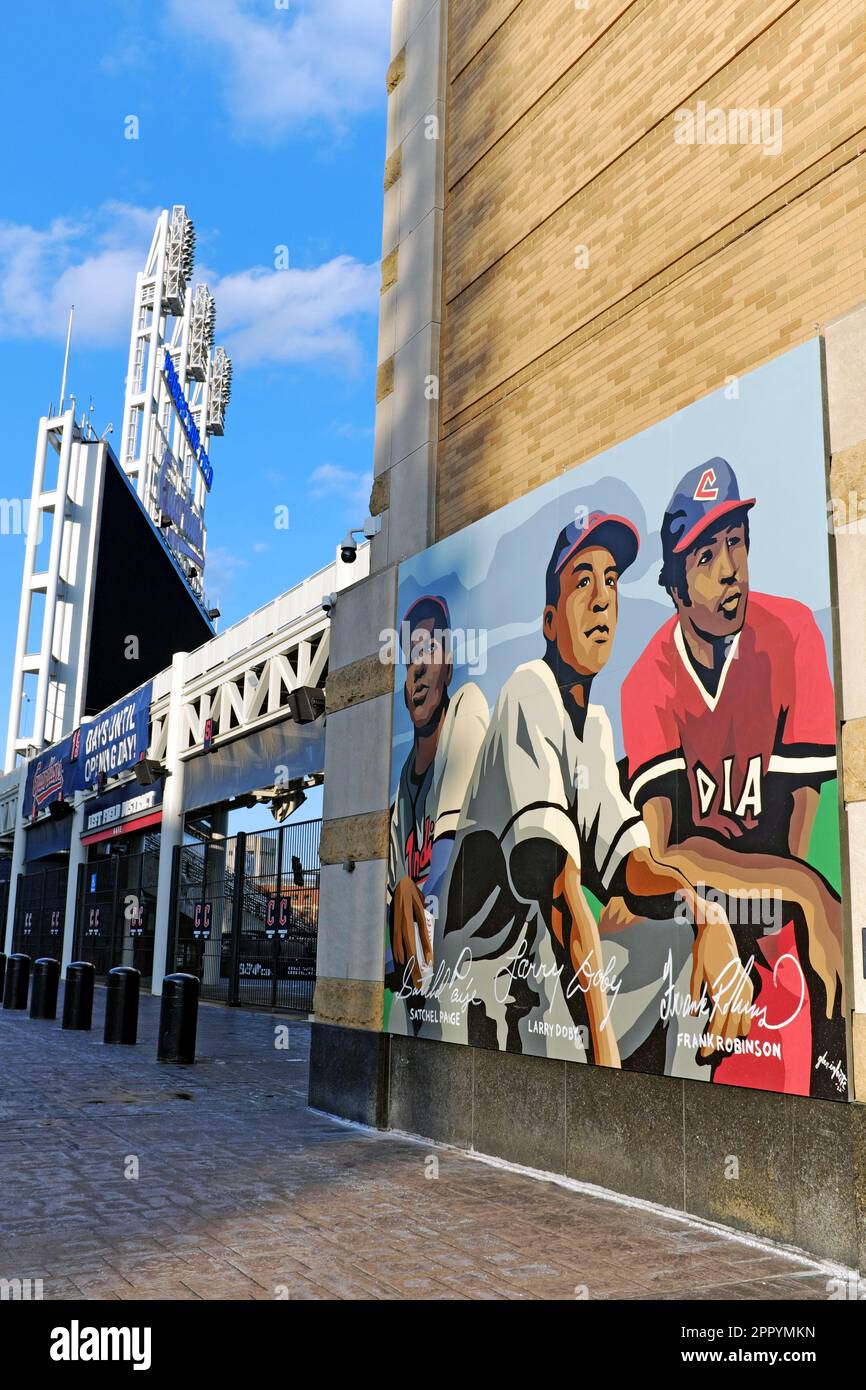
705,495
616,533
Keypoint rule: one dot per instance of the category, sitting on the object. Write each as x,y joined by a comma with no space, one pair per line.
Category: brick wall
703,260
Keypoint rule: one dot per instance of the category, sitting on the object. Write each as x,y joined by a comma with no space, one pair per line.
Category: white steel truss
57,586
242,679
250,693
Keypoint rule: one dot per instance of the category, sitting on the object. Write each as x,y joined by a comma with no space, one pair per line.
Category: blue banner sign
117,738
111,743
185,415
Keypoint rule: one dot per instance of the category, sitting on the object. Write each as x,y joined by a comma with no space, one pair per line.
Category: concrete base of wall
789,1169
349,1073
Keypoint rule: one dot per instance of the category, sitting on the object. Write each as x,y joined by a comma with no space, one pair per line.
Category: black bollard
178,1019
17,981
2,972
121,1005
43,996
78,995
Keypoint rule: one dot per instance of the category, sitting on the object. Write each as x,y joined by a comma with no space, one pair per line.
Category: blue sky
268,123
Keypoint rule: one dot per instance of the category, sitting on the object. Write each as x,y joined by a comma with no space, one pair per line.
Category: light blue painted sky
268,122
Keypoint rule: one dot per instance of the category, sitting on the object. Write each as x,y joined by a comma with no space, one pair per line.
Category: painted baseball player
447,734
729,727
517,946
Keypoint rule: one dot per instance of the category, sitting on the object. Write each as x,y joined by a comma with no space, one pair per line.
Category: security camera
349,549
349,546
328,602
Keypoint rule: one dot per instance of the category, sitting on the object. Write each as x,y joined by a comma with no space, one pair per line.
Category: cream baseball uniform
427,809
536,784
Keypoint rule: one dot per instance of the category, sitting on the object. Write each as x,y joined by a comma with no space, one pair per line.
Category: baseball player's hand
824,921
408,914
717,968
615,915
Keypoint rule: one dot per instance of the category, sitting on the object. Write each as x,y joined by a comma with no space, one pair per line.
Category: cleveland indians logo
707,489
47,781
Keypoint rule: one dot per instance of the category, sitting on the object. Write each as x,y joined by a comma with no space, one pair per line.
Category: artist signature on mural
835,1070
729,992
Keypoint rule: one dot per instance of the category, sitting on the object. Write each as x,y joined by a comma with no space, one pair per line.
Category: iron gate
40,909
247,916
116,911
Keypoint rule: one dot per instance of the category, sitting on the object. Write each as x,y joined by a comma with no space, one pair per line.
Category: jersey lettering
418,856
706,790
750,802
751,797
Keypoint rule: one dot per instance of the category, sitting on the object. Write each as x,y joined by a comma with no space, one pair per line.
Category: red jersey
771,723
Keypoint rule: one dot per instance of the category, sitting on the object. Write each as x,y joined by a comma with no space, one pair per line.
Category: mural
614,825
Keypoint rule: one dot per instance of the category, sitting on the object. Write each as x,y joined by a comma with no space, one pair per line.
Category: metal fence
40,908
246,914
115,914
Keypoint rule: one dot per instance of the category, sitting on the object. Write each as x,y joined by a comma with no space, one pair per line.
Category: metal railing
40,908
115,914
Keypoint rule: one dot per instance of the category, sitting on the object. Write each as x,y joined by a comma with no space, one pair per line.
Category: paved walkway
244,1193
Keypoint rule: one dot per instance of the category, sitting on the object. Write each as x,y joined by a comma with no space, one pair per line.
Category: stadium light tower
172,376
177,390
220,391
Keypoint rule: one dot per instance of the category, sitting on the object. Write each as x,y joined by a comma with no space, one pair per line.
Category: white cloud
331,480
91,263
130,54
263,316
283,67
295,315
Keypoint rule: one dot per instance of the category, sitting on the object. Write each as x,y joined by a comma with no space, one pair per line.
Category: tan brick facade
703,260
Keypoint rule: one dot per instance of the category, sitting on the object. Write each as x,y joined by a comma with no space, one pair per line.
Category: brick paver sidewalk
242,1192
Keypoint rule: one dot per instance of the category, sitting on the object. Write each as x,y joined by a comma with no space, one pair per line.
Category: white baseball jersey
535,780
428,807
